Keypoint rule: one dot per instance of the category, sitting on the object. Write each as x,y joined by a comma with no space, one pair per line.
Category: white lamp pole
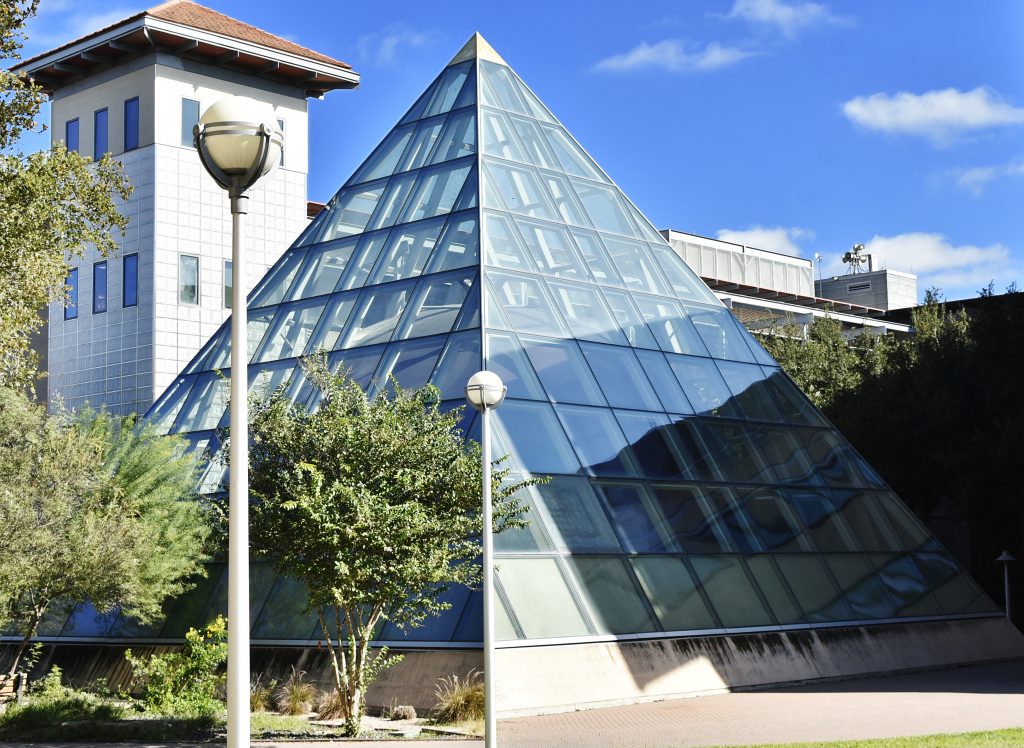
238,143
485,392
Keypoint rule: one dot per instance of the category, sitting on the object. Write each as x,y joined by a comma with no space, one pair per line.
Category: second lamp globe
236,130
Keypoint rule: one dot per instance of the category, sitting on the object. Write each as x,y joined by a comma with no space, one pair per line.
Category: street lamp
1006,559
485,392
238,143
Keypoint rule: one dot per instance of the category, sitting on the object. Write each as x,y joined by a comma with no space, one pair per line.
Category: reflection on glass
767,577
673,594
407,251
611,596
502,246
594,256
534,143
519,189
598,440
554,253
535,438
448,87
378,314
369,249
458,138
670,325
653,444
734,454
277,282
637,518
351,210
323,269
499,137
730,591
393,201
458,246
862,588
636,267
552,614
409,362
691,519
704,386
583,308
206,404
564,198
422,143
526,304
436,190
332,323
795,406
813,588
562,370
459,361
499,88
629,319
716,329
621,377
574,516
826,526
576,162
507,359
774,522
436,305
384,159
292,331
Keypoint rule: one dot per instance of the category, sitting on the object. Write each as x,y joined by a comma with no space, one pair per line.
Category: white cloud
977,178
789,18
384,47
778,239
937,115
50,28
674,56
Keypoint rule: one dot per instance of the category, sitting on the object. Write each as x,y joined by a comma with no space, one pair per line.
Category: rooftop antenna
856,260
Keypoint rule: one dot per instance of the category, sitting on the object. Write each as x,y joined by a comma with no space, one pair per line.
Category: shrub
261,694
50,703
185,683
459,700
403,711
295,695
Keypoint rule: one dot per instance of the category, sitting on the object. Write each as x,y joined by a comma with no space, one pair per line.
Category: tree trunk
37,616
339,683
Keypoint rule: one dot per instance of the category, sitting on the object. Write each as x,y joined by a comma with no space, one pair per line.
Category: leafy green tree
55,204
92,510
374,504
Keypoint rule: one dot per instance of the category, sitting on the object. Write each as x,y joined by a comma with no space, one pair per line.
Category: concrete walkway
982,697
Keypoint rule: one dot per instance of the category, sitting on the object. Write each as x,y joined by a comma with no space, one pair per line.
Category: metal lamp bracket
235,184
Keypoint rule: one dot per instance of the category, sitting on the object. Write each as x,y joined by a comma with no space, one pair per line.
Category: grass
459,701
1011,738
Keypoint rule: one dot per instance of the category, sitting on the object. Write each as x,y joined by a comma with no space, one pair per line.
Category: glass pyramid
694,488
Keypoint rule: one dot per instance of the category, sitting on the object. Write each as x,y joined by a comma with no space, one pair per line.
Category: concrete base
558,678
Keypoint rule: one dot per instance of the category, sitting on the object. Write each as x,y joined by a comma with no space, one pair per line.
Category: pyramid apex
477,47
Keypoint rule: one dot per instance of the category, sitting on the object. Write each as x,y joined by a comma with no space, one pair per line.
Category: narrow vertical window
228,284
71,308
280,124
99,134
71,134
131,124
99,287
188,279
189,119
130,280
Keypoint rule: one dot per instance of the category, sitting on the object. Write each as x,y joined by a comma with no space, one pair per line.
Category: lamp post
238,143
485,392
1006,559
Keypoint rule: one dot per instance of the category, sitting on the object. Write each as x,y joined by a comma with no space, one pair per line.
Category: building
135,89
705,527
885,289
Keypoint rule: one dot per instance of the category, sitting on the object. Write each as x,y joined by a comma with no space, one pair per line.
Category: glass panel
673,594
526,539
436,191
537,109
458,247
636,266
507,359
323,269
206,404
554,253
795,406
536,438
541,616
467,96
773,521
188,280
416,111
730,591
359,365
502,245
704,386
292,331
735,456
459,361
629,319
378,314
621,378
637,518
731,519
564,198
394,200
285,614
871,529
499,137
685,284
384,159
519,189
436,628
258,323
266,379
166,409
670,325
370,246
458,138
583,308
862,588
690,442
690,519
85,620
955,591
774,590
351,210
825,525
563,371
99,287
903,580
526,304
813,588
448,88
718,333
653,444
410,362
615,605
594,256
535,144
576,162
647,231
272,289
598,441
407,251
575,519
499,89
665,383
189,119
909,530
829,456
436,305
422,143
333,322
752,393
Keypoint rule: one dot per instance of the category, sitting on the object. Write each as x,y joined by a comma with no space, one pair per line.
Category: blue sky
800,127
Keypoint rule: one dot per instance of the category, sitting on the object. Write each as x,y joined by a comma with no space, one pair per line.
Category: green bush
50,703
186,683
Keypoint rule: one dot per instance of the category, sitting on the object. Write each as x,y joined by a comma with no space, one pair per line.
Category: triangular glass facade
694,488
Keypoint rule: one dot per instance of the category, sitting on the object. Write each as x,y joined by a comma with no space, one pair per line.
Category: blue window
71,134
71,307
189,119
99,287
131,124
99,133
130,280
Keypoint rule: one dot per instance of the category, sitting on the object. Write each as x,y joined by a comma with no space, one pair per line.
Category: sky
794,126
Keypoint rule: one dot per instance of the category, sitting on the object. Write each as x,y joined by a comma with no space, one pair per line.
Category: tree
373,503
92,511
54,204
